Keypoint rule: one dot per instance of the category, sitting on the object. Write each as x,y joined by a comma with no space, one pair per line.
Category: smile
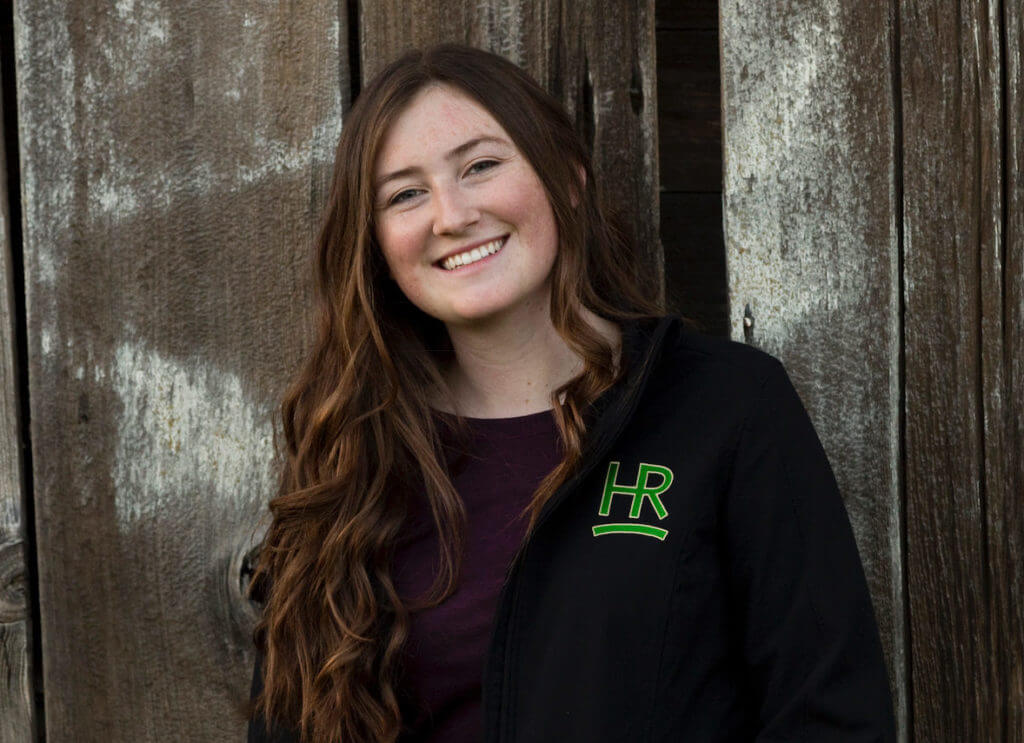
472,256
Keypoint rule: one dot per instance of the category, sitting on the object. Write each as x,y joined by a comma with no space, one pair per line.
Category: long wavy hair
359,435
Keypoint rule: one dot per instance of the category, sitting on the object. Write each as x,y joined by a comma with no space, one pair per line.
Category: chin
476,315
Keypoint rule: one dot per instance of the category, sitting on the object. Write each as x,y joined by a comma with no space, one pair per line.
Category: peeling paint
129,50
139,44
499,26
187,431
510,21
45,92
787,115
278,157
46,340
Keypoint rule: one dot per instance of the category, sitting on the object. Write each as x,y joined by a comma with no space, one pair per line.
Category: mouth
455,261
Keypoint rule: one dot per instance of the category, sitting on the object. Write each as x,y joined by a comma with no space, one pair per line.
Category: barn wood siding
1004,349
173,157
961,98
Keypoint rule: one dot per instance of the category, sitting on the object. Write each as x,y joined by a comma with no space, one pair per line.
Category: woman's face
464,222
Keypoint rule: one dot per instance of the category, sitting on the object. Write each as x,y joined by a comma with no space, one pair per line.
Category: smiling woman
517,503
463,221
467,277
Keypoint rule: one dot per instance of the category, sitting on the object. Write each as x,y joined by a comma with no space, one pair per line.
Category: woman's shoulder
700,377
684,350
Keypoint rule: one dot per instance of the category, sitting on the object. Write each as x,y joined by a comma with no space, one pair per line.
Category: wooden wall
874,240
172,158
963,209
838,183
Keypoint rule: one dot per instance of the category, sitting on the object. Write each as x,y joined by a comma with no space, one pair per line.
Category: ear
574,191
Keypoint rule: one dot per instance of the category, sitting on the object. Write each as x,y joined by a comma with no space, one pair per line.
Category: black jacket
697,579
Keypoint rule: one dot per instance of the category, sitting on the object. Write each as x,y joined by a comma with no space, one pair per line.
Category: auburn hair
360,438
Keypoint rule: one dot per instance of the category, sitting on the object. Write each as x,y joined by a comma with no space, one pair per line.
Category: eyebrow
456,152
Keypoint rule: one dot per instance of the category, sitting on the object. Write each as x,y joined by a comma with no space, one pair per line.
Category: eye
401,196
481,165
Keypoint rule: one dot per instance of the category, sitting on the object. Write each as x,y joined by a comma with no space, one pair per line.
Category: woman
684,568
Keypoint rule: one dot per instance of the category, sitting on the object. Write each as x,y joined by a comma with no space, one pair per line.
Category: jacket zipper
625,407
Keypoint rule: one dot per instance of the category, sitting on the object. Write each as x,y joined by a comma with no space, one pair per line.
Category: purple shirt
447,645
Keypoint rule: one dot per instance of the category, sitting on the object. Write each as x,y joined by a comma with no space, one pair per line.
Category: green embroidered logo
642,490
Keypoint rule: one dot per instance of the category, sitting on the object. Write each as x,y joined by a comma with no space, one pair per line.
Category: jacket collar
642,342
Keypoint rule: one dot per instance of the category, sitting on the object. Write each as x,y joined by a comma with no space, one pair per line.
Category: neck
511,366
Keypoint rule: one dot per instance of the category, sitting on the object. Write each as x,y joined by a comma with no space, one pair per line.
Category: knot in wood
12,583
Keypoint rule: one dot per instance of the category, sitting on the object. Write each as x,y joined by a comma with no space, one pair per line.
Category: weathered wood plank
963,334
812,250
176,155
597,58
1004,405
16,712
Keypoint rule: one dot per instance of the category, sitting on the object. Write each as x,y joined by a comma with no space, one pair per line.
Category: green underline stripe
647,531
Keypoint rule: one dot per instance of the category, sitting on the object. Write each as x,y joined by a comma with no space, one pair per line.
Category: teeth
472,256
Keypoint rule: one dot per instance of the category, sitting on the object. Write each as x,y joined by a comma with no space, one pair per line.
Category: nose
453,210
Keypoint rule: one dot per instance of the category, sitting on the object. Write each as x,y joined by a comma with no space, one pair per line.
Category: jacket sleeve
807,628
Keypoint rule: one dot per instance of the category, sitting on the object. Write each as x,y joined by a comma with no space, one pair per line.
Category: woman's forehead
437,119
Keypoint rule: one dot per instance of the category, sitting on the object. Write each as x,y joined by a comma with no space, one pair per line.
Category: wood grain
812,249
1004,404
597,58
964,409
175,156
16,693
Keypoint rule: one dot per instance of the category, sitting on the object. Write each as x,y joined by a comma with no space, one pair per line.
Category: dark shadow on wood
690,162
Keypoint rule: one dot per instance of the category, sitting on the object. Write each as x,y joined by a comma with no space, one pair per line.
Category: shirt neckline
530,423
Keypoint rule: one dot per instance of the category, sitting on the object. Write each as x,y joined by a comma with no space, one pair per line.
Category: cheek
543,221
397,243
526,197
527,205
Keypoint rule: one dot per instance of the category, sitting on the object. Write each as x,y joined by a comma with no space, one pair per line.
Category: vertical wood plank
176,155
597,58
16,693
812,249
965,529
1004,409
